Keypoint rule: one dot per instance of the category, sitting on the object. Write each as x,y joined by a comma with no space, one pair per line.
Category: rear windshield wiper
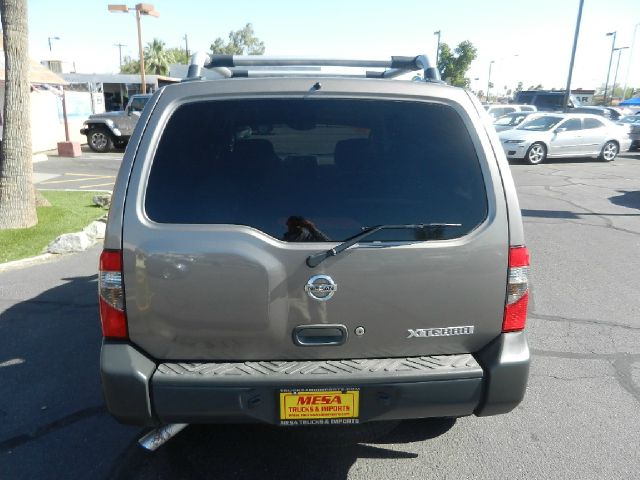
315,259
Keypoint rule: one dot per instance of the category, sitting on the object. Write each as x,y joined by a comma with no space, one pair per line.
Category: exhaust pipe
161,435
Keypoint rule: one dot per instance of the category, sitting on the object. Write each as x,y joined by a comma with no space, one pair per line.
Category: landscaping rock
95,230
102,200
70,242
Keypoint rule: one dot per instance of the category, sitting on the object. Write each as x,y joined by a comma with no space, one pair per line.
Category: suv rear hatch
224,212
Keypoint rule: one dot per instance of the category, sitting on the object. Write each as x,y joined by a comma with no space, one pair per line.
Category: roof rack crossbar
244,73
395,66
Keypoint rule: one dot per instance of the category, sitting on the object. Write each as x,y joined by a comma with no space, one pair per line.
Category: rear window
138,103
592,123
317,170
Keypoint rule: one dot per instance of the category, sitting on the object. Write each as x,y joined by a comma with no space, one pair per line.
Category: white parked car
499,110
564,135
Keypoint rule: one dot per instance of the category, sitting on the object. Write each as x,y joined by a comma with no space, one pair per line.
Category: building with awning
115,88
47,120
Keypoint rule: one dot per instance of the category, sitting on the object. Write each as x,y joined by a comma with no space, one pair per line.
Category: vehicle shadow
559,161
53,422
627,199
568,215
258,451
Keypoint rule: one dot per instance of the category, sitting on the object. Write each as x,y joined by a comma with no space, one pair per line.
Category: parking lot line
88,175
84,179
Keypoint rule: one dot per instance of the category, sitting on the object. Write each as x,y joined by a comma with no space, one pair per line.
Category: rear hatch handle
315,259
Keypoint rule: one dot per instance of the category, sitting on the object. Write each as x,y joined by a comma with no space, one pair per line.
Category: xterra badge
440,332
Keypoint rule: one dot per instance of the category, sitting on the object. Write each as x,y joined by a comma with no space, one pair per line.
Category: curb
26,262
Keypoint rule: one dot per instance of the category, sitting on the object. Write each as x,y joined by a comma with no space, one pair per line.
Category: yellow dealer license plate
321,407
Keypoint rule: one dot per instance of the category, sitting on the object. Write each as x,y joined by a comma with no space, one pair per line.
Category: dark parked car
607,112
545,100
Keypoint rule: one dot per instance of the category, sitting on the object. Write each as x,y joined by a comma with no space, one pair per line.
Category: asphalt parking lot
90,172
579,419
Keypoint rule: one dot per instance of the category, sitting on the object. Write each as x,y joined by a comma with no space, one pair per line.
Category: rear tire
100,140
536,154
609,151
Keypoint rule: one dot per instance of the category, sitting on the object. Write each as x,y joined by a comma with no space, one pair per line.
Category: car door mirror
560,130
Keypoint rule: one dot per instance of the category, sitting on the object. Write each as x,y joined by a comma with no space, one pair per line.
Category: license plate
321,407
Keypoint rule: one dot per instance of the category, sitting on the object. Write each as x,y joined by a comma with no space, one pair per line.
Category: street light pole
615,77
140,9
143,86
613,46
438,47
489,79
52,38
567,92
626,77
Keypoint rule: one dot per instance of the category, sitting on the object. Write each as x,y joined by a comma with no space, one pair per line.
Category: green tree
130,65
178,55
17,195
453,65
156,58
241,42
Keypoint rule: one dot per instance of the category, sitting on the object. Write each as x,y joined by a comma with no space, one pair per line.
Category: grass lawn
69,212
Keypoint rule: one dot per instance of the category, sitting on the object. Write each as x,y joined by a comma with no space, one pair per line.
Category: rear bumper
140,391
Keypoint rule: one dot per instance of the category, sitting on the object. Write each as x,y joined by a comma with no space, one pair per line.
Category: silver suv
312,250
113,129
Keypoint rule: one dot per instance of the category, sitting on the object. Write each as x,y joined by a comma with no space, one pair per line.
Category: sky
528,40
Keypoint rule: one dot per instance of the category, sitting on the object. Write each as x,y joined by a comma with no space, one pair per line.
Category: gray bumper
490,382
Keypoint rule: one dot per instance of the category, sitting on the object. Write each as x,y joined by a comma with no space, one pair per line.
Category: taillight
515,309
111,292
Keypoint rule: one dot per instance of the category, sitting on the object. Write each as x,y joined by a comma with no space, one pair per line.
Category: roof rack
230,66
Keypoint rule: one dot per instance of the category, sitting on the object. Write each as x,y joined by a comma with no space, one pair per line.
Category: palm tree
156,58
17,195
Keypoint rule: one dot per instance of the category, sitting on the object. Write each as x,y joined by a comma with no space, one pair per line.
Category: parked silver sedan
564,135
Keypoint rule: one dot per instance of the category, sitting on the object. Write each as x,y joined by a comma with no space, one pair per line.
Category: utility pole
613,46
120,45
186,46
565,103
